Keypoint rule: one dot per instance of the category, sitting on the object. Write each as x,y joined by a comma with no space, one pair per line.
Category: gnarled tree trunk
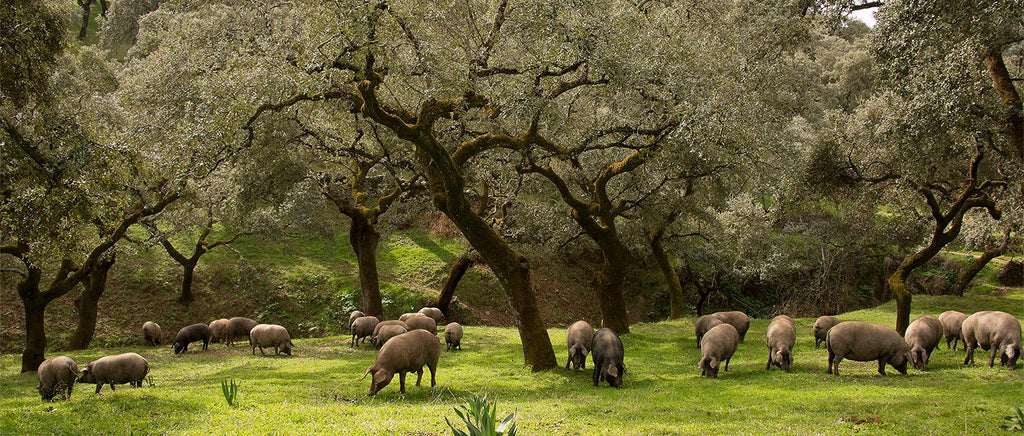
35,329
455,273
947,227
991,252
447,187
87,305
675,286
365,240
609,286
187,275
1003,84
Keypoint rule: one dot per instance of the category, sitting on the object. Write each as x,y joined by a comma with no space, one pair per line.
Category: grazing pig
737,319
128,368
386,333
219,328
382,324
190,334
863,342
406,316
923,335
703,324
821,327
56,376
608,354
362,328
422,323
352,317
238,327
433,313
407,352
996,331
780,338
152,333
579,339
453,336
718,345
270,335
952,323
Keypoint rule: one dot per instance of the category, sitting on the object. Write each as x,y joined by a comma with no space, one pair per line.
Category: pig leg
881,366
432,368
401,382
768,366
419,376
992,356
969,359
727,362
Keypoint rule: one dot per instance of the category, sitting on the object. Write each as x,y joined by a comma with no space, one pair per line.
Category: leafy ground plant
480,417
230,390
1015,422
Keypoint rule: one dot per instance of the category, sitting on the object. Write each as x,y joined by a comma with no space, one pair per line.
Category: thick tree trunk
35,310
365,240
612,274
455,273
188,272
87,305
447,187
609,286
898,286
513,272
675,287
990,253
1003,84
898,280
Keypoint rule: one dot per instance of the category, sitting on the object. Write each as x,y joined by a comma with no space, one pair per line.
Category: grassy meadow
319,390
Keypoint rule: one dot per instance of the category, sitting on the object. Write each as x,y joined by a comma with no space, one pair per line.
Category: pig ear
572,349
613,372
714,362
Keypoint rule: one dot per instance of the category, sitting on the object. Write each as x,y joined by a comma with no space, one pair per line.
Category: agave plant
230,390
480,417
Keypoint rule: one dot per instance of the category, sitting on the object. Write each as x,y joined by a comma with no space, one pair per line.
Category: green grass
319,390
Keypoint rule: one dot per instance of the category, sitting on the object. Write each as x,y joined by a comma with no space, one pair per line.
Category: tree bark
86,6
675,286
447,187
609,286
1003,84
188,273
991,252
455,273
35,309
365,240
87,305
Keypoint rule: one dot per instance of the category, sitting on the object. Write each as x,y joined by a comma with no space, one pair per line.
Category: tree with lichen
942,130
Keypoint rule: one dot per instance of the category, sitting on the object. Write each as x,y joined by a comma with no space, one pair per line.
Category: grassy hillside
308,284
320,390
